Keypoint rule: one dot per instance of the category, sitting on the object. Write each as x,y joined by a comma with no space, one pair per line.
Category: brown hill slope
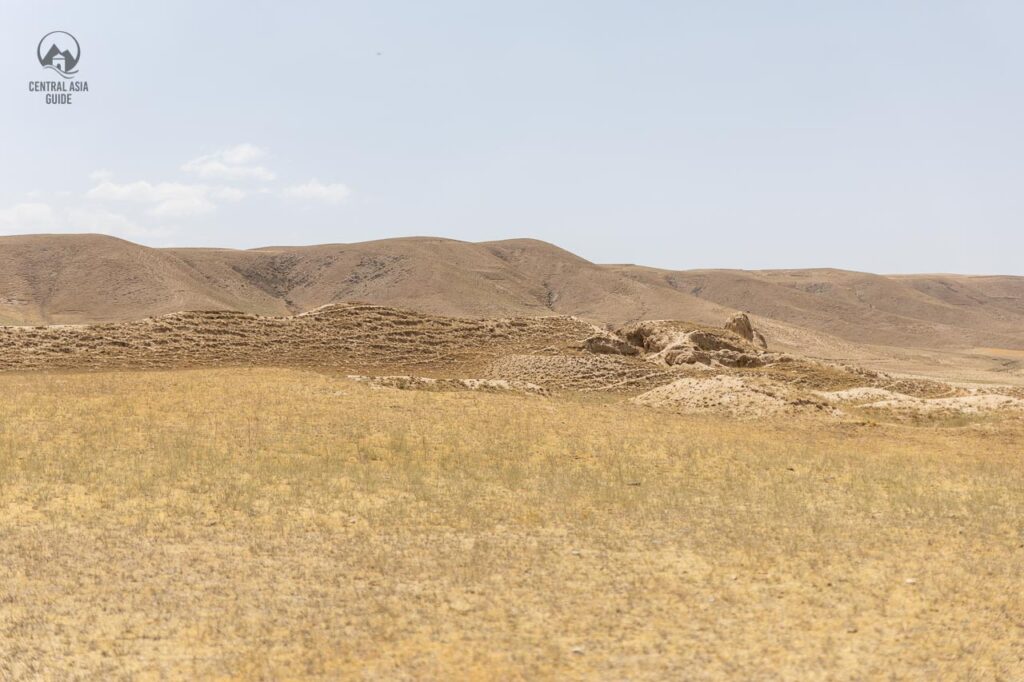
929,311
58,279
90,278
432,275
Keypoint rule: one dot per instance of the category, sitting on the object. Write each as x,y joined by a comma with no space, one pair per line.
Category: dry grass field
290,524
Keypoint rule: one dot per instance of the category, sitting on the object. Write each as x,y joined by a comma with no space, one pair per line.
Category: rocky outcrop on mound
612,345
662,363
672,343
740,325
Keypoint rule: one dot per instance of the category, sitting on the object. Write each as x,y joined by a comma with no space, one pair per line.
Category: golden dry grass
287,524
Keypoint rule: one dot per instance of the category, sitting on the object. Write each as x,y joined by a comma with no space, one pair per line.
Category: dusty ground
282,523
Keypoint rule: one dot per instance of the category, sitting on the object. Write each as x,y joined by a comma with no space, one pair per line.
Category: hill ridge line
72,279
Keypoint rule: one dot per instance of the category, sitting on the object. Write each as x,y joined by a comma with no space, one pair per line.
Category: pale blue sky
881,136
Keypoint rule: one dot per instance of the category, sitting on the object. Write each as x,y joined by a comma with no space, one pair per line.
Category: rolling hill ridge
72,279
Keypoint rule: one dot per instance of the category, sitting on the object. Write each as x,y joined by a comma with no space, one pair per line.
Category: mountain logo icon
59,50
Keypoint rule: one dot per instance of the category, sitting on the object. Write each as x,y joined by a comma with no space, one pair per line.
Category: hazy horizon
867,137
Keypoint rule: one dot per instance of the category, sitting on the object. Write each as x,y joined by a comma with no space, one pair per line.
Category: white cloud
27,217
149,206
93,219
36,217
211,169
243,153
227,193
168,199
233,163
317,191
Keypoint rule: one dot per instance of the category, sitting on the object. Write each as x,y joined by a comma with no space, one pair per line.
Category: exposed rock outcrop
612,345
670,342
740,325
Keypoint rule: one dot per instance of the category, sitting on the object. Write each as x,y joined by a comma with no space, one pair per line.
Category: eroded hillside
68,279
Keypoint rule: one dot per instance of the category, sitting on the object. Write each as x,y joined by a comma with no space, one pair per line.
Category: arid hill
69,279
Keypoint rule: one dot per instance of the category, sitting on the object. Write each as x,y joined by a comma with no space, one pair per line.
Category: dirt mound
952,400
671,342
416,348
735,396
861,395
968,404
664,363
343,336
582,373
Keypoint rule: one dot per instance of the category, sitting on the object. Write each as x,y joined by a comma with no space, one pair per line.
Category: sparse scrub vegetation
276,523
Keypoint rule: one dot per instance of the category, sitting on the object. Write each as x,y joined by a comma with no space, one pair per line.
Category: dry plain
290,524
369,492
